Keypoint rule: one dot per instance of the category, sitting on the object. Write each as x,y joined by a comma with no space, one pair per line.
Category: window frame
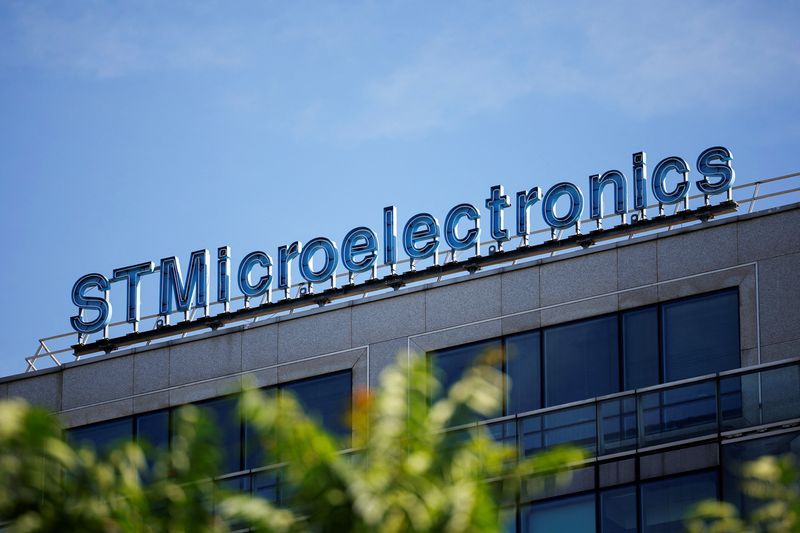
659,306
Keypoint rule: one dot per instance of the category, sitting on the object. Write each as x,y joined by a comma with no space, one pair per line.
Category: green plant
775,482
405,471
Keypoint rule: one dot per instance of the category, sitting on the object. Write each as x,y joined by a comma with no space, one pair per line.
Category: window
103,436
700,335
665,502
523,371
623,351
574,514
223,413
581,360
640,348
152,429
618,510
738,453
450,365
326,399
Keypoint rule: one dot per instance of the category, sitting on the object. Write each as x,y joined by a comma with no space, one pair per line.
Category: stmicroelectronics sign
421,237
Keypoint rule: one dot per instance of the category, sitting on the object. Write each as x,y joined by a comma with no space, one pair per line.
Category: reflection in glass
523,369
665,502
618,510
640,347
103,436
574,514
326,399
581,360
700,335
222,412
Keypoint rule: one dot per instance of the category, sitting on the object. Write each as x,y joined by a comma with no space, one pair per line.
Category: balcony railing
722,404
755,398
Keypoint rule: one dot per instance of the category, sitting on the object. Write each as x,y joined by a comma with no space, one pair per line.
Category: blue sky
134,131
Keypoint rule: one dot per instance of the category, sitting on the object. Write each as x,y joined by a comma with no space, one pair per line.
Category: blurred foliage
405,472
772,481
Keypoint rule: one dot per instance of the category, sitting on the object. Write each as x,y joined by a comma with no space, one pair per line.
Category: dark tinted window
450,364
254,451
327,399
574,514
152,429
103,436
640,347
523,370
736,454
223,413
665,502
700,335
581,360
618,510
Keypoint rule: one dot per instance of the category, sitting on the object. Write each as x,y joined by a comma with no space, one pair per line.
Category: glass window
618,510
152,429
574,514
738,453
327,399
700,335
640,347
266,484
581,360
103,436
223,413
523,370
254,455
450,364
508,520
665,502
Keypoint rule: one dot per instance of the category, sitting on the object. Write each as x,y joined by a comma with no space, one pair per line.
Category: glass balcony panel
454,438
573,425
504,432
779,394
531,436
266,485
679,413
617,425
744,391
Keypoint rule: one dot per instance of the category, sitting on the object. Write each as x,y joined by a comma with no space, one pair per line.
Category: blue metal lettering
133,274
640,183
715,163
172,284
524,201
451,225
91,303
331,259
572,216
224,276
390,237
420,228
359,241
496,202
252,259
285,255
660,173
596,185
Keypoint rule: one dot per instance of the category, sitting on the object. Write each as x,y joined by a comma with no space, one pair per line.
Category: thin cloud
646,63
97,42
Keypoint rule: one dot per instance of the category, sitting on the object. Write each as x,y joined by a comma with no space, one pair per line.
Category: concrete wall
759,254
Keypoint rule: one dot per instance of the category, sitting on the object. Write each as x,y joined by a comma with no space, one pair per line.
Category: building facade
670,357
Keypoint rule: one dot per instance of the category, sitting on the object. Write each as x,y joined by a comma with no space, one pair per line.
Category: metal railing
53,348
717,405
722,405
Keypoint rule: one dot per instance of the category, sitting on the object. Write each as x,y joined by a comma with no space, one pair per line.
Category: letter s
91,303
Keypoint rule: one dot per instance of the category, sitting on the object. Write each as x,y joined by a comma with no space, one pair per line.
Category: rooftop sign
421,238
